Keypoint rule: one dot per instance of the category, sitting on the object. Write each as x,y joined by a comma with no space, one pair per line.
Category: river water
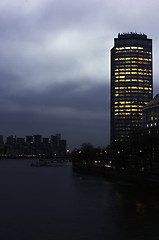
54,203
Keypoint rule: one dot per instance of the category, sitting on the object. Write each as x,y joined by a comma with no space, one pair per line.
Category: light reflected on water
56,203
118,196
140,208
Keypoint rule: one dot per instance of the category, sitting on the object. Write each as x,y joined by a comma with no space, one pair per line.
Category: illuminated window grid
134,87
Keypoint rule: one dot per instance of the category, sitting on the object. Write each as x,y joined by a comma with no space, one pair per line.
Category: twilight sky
55,64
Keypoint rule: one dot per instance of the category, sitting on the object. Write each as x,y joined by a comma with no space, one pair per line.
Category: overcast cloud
55,64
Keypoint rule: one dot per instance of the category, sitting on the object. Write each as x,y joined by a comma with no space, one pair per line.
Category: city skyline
55,64
33,146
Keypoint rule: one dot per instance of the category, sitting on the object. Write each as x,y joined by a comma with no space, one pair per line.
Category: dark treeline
89,154
141,154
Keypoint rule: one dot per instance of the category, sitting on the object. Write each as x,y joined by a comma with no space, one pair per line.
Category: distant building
46,140
1,144
58,137
20,140
62,147
55,139
11,139
131,83
1,139
37,139
29,139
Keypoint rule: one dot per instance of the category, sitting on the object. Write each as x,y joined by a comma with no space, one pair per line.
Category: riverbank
140,178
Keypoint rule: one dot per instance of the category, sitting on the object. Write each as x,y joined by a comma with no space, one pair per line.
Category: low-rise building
150,112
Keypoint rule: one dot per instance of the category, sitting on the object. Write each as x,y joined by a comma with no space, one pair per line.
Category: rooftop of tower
132,35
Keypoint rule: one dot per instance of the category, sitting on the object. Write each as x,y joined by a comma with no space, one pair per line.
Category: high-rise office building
131,83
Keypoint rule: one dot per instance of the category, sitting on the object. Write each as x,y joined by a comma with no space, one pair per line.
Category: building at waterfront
131,83
151,113
147,138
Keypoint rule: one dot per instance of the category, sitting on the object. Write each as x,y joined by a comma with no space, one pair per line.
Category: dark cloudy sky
55,64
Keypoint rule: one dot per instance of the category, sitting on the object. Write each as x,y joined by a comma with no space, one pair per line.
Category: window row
131,68
133,80
134,87
127,113
138,73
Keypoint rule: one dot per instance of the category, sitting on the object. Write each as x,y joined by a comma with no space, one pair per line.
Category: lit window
121,76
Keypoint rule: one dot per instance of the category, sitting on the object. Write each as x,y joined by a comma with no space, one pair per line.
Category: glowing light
108,165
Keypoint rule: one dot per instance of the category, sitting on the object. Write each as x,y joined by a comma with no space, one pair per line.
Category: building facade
150,116
131,83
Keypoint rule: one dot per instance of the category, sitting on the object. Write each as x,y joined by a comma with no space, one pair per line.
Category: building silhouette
131,83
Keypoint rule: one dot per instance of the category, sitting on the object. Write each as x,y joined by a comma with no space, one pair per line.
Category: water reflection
136,211
129,210
140,208
56,203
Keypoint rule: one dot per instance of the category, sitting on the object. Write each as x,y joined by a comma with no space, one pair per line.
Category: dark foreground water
55,203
